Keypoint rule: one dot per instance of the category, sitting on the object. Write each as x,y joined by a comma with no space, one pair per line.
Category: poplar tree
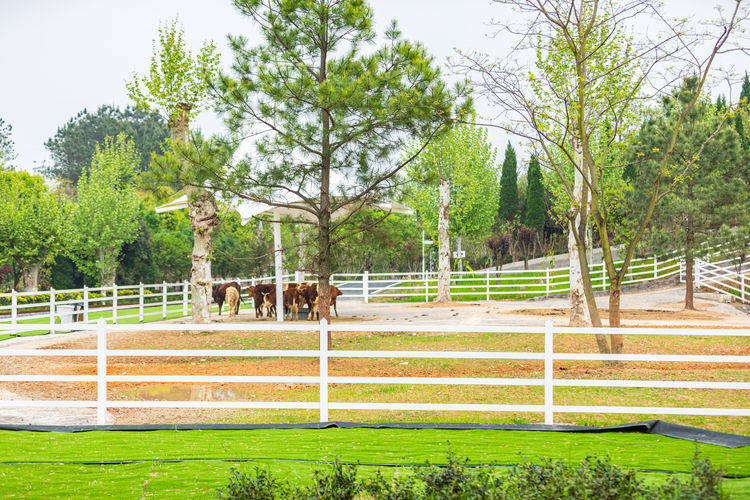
508,203
177,87
535,206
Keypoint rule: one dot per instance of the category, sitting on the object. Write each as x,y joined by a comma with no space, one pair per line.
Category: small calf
233,301
291,303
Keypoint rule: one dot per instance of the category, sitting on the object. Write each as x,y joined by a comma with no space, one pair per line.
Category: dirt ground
654,308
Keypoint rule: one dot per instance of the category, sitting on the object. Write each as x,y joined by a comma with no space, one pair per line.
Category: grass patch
284,452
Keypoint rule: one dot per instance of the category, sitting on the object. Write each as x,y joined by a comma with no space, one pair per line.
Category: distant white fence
149,302
723,277
548,356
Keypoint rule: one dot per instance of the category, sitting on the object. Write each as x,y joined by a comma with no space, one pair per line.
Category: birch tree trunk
107,266
578,311
31,278
444,258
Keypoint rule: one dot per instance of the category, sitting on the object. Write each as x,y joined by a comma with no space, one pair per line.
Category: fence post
604,277
546,272
184,298
656,267
427,286
140,302
743,287
164,299
114,304
101,372
366,286
548,372
85,304
13,307
52,310
697,273
323,370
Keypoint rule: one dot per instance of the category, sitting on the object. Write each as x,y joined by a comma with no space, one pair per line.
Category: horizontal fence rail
52,310
323,354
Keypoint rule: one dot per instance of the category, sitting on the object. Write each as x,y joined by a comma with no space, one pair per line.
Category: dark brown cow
219,293
257,293
309,292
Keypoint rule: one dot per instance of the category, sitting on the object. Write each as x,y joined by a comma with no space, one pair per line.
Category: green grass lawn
288,452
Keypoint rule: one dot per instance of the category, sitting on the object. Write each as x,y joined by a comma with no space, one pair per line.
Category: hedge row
43,298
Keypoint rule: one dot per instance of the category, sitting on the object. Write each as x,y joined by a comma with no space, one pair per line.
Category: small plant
260,485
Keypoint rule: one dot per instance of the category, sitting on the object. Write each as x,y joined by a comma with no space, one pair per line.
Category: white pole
101,372
13,307
114,304
366,286
423,267
164,299
426,288
548,373
85,304
279,271
52,310
488,283
546,273
744,287
140,302
323,370
656,268
185,298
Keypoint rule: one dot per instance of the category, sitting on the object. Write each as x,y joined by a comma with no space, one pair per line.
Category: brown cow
219,293
309,292
233,300
291,303
269,303
257,293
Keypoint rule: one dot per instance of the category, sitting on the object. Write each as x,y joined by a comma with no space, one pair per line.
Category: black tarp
646,427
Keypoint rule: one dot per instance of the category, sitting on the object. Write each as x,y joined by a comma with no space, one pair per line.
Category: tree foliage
7,146
468,160
508,203
105,217
74,144
535,205
31,221
176,82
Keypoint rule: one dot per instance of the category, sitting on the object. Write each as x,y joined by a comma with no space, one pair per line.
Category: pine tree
535,206
508,205
740,128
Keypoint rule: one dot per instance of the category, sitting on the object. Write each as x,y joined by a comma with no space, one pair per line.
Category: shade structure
249,210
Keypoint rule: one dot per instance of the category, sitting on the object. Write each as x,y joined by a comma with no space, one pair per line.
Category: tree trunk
31,277
615,294
107,267
444,258
578,311
525,262
204,218
689,263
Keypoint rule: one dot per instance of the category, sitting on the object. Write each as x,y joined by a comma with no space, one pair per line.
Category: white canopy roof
250,209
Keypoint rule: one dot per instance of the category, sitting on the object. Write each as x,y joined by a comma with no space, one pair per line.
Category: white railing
723,278
158,301
548,356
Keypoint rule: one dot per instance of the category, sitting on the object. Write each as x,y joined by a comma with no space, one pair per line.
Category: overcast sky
59,57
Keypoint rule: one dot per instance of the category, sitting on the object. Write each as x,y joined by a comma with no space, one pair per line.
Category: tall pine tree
508,205
535,206
745,92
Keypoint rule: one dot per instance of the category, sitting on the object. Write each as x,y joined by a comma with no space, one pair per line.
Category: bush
592,478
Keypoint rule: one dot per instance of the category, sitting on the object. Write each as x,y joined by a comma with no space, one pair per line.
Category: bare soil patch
631,314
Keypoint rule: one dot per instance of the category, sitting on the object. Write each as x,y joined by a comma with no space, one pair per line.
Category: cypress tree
721,104
745,92
740,128
535,206
508,206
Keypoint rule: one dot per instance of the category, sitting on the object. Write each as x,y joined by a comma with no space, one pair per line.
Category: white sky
59,57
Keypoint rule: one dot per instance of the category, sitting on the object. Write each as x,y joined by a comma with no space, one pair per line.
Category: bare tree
580,98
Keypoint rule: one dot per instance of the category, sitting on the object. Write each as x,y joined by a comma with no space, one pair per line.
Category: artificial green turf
285,451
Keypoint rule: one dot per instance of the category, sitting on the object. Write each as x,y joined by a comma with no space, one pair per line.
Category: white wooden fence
158,301
548,356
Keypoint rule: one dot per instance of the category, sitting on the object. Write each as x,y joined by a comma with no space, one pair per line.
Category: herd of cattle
264,297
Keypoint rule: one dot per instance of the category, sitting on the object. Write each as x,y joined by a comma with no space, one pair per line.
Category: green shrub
592,478
43,298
